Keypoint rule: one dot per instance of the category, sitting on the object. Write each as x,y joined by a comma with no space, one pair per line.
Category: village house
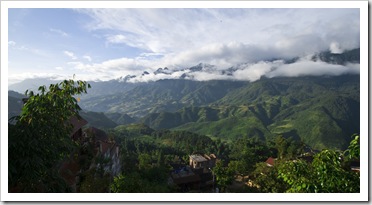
185,179
270,162
77,124
196,175
202,161
110,151
70,169
106,149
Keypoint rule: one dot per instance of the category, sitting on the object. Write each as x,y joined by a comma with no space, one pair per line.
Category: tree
153,180
131,183
353,151
247,152
287,147
224,175
144,161
326,174
41,137
267,179
91,182
297,175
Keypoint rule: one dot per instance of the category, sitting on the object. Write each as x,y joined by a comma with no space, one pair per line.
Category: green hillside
163,95
15,103
96,119
322,112
119,118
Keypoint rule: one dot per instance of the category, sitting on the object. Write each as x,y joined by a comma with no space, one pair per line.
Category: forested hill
163,95
323,112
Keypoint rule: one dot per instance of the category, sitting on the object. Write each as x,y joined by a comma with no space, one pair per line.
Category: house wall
209,163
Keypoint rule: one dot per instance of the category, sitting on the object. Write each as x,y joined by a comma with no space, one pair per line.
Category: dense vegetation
147,155
283,118
39,139
323,112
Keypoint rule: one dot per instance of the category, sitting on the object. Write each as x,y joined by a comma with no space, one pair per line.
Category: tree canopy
329,172
41,137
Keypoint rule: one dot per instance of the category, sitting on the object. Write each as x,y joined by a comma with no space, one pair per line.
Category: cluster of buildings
197,175
104,151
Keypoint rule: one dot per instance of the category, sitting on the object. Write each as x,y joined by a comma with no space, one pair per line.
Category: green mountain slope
163,95
321,111
15,103
122,119
97,119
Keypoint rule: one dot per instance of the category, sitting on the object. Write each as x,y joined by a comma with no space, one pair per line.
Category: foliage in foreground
40,139
329,172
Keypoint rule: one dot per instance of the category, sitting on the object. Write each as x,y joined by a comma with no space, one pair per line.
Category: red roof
270,161
77,124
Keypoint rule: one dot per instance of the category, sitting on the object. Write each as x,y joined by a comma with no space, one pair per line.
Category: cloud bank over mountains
251,72
254,42
225,38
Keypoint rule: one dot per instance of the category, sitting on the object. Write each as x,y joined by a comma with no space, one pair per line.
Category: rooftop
98,134
270,161
198,158
77,123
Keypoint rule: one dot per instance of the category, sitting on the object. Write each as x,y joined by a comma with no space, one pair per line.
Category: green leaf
40,139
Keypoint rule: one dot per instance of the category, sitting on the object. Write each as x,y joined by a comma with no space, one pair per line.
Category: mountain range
323,111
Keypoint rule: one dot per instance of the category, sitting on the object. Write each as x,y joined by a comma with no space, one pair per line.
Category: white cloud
205,76
181,38
70,54
153,77
32,50
60,32
117,39
18,77
301,45
88,58
114,64
26,48
58,68
243,57
224,55
311,68
254,72
335,48
11,43
177,30
111,69
221,37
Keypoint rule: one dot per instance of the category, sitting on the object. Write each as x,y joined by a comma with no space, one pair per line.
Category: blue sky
104,44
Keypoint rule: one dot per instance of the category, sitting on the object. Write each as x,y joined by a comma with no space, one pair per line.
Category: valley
157,126
321,111
231,97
